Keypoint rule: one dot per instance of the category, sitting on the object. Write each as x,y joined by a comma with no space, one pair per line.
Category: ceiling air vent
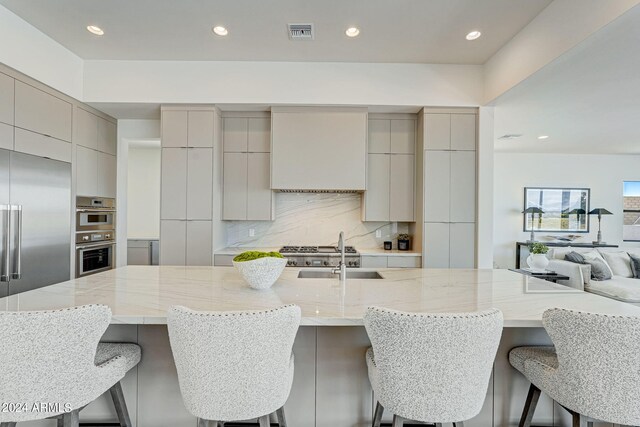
300,31
510,136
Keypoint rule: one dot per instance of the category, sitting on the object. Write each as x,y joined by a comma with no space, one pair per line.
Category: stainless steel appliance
35,222
319,256
95,235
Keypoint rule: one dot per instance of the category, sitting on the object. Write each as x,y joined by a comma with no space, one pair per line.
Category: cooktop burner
315,250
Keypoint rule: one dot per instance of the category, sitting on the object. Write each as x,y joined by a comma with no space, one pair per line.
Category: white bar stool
593,371
235,365
430,367
52,364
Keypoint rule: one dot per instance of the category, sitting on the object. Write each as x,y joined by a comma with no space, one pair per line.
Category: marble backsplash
313,219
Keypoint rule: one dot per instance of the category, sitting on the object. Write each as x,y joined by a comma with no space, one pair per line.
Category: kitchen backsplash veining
312,219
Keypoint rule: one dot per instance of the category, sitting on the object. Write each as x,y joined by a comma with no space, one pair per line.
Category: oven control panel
96,236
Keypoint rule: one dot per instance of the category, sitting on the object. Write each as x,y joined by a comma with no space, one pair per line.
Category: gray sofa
622,286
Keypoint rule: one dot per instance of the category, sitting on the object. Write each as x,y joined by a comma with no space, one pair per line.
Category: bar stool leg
377,415
578,420
529,406
12,424
282,420
59,422
398,421
71,419
264,421
120,405
458,424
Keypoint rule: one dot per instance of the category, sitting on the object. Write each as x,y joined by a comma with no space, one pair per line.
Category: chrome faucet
342,267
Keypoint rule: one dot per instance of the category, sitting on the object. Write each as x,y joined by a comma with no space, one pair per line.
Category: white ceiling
416,31
587,101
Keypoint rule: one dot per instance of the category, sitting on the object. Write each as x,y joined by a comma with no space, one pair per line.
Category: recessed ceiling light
221,31
543,137
473,35
352,32
95,30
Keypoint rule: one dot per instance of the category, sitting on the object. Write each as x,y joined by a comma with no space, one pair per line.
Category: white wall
26,49
603,174
143,193
275,83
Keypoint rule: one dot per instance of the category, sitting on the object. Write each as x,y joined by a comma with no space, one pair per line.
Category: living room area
567,150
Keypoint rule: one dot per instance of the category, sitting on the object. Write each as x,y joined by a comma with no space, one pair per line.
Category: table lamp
599,212
532,210
577,212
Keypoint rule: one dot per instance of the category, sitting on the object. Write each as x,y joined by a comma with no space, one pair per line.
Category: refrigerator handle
4,256
16,272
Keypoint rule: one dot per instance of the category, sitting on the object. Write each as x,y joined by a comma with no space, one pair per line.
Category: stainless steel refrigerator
35,222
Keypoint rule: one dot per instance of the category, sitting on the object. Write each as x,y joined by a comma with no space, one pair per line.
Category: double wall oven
95,235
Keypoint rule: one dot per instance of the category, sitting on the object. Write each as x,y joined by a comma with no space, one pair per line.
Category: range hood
318,149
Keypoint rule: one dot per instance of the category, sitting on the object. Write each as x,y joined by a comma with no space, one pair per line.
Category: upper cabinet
247,193
40,112
6,98
107,138
445,131
390,194
318,148
187,128
95,132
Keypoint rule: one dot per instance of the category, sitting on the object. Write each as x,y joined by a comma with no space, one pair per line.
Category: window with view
631,209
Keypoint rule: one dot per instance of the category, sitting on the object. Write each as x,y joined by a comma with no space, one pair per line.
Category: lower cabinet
449,245
391,261
185,242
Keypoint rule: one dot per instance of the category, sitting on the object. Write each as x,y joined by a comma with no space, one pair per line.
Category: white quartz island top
142,294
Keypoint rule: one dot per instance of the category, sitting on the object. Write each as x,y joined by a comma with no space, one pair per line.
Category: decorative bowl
261,273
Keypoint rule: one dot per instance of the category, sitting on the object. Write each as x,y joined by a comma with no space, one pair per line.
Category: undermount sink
325,274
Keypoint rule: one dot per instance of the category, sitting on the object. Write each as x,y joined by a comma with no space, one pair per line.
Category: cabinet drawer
404,262
6,136
223,260
40,112
373,261
41,145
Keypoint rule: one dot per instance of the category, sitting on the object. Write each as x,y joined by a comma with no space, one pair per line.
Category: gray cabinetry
6,99
173,242
390,194
86,172
198,243
41,145
107,140
449,189
86,129
247,193
107,168
41,112
174,128
192,128
6,136
173,185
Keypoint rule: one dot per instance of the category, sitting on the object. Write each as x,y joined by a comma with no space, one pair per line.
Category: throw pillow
595,254
574,256
635,265
619,262
599,270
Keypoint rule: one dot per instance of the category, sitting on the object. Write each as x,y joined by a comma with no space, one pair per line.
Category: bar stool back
234,366
593,371
431,367
51,363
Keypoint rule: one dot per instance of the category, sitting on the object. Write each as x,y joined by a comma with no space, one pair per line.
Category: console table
519,246
549,276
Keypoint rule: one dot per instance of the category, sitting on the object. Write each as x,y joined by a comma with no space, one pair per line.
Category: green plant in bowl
260,269
253,255
538,248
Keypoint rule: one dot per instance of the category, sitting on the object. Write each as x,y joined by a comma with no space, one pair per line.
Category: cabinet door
6,99
86,129
405,262
174,128
6,136
463,131
436,245
107,136
199,243
403,136
401,188
259,135
41,145
86,172
235,136
437,172
437,129
174,183
107,170
463,186
234,203
199,183
259,194
376,198
200,129
462,252
379,136
41,112
173,245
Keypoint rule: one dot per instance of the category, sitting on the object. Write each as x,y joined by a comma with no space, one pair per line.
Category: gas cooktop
316,250
319,256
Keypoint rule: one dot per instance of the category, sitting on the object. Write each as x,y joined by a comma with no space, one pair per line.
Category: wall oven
95,235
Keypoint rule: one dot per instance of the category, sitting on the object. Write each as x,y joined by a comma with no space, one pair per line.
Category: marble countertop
142,294
365,251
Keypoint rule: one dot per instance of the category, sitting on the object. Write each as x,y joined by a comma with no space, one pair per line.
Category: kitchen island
331,387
